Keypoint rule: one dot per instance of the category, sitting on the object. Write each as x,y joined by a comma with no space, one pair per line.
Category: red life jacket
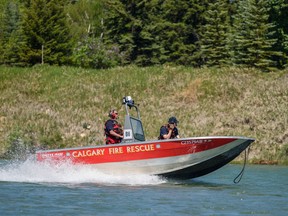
117,128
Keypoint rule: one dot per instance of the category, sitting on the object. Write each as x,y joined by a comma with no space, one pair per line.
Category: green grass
47,105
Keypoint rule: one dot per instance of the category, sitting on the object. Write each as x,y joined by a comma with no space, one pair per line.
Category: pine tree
152,32
11,34
253,35
278,16
148,43
215,34
122,27
46,33
182,20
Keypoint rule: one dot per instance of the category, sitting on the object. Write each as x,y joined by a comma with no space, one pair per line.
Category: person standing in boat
113,130
170,130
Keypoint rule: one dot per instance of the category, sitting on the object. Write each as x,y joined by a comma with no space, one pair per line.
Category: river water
28,188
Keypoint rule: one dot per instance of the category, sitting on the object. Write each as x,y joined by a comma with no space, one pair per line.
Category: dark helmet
172,120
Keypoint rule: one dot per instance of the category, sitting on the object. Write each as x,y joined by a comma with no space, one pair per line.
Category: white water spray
31,171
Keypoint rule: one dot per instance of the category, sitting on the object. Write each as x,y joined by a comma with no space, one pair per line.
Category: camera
128,100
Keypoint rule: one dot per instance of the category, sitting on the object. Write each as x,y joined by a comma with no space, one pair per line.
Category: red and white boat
182,158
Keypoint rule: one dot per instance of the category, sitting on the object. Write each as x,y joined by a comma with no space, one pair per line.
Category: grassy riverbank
47,106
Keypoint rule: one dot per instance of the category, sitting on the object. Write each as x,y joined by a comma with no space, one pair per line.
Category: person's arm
167,136
113,133
170,129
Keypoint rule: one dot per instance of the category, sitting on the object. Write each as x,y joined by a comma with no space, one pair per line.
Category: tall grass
47,106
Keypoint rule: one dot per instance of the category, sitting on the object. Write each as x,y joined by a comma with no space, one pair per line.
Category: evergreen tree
122,27
46,33
215,34
174,32
182,21
278,16
253,35
10,34
148,43
157,31
130,25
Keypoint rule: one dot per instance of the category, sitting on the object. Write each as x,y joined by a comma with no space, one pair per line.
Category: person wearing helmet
170,130
113,130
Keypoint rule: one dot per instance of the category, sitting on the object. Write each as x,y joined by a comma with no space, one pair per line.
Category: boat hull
208,166
178,158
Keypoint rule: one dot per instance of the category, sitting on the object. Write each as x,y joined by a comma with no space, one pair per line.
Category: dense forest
108,33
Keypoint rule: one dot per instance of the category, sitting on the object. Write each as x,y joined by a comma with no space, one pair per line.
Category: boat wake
31,171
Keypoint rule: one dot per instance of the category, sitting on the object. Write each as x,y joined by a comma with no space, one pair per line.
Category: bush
92,53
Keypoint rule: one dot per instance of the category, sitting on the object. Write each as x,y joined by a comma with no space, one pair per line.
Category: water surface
28,188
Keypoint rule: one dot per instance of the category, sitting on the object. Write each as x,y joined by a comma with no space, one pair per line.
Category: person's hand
120,136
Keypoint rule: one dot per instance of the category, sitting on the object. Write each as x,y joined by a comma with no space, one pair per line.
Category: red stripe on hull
130,152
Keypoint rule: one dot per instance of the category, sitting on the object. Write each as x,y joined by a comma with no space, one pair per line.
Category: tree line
108,33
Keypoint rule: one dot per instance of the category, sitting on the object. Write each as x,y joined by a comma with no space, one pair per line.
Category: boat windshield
137,129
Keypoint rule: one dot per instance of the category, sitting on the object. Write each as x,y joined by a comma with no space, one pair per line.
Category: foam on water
34,172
